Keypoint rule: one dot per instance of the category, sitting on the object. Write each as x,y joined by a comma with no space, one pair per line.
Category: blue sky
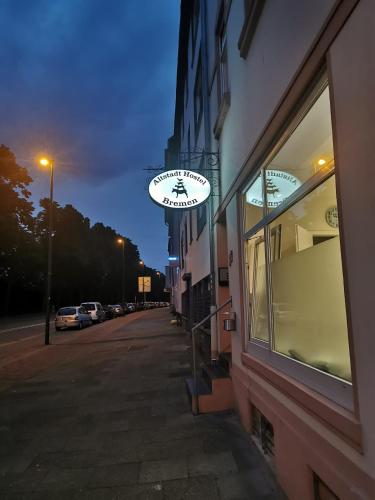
93,83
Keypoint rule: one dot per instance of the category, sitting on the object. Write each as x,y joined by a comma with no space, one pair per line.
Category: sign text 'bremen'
181,189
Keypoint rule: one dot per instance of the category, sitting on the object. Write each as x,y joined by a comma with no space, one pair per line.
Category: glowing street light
46,162
121,241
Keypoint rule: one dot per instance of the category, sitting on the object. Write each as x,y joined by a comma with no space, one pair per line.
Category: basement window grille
262,430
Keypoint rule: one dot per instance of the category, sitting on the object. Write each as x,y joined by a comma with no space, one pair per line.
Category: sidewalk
107,418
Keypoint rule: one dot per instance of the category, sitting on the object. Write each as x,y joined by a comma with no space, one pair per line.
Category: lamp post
142,264
45,162
121,241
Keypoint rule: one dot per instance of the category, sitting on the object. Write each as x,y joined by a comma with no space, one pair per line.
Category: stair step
202,389
225,361
214,371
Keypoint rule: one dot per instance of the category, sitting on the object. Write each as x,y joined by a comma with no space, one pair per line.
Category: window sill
224,106
249,27
338,419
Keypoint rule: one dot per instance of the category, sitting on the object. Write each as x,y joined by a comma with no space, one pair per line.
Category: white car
72,317
96,311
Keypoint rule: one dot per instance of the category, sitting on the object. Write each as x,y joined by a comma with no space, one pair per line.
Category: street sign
144,284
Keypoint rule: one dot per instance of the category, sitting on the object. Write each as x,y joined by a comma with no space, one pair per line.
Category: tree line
87,259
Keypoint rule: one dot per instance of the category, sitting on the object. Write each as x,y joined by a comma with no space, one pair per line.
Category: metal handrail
195,401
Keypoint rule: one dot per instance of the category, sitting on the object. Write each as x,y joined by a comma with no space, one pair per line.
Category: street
103,414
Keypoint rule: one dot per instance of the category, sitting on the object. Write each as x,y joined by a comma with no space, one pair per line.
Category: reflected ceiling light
322,161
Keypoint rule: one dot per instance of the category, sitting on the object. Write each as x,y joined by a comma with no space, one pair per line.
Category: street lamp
46,162
142,264
121,241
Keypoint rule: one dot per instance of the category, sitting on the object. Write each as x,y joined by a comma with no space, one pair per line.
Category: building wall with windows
190,229
289,93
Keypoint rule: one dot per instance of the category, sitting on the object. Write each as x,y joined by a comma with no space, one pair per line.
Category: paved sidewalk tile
115,475
103,415
218,465
162,470
194,488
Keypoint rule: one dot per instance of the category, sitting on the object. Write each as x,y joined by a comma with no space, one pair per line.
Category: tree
15,224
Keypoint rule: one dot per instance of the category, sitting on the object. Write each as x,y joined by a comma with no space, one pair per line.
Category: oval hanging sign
279,186
181,189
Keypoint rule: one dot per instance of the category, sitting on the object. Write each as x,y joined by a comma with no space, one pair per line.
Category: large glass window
308,302
253,203
307,151
293,259
257,290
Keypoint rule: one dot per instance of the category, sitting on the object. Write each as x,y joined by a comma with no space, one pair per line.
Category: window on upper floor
252,12
185,237
198,99
186,92
222,54
222,78
294,278
182,260
188,145
182,126
194,28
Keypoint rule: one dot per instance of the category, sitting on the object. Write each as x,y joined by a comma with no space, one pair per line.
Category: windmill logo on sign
179,188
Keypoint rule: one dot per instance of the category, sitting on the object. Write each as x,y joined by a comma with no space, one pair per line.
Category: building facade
275,104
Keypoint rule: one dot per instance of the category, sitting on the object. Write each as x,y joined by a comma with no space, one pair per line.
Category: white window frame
334,388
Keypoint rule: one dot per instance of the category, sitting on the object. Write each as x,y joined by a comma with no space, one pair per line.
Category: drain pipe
208,145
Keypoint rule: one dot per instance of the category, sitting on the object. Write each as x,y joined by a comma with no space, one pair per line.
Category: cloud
90,80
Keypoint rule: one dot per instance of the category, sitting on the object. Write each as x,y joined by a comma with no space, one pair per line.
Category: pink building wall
313,434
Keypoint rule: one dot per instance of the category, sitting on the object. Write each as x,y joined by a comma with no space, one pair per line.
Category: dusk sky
92,82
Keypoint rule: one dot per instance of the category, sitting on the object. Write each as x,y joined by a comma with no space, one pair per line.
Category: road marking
31,337
22,327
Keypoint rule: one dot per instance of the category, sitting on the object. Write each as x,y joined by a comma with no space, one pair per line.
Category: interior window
308,303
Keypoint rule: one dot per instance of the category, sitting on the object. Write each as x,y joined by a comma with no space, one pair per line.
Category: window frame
198,98
194,28
252,12
221,66
336,389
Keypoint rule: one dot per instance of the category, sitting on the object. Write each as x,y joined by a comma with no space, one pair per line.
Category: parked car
124,305
96,310
72,317
118,309
131,307
109,312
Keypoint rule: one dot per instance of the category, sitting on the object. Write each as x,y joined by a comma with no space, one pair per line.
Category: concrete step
214,391
202,386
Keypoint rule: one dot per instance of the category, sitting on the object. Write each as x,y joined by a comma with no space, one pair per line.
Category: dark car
109,312
118,309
